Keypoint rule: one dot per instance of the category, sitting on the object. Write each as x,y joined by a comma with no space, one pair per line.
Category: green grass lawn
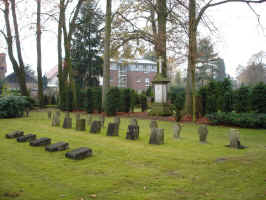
131,170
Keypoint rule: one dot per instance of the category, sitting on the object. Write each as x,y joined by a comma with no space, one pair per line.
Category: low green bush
111,104
242,99
243,120
258,98
97,98
13,106
143,103
124,100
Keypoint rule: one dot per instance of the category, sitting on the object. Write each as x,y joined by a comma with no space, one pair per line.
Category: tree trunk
39,54
106,68
18,68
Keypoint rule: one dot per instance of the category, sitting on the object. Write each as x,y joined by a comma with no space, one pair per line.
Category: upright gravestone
134,122
67,122
203,133
153,124
157,136
235,139
112,129
177,130
133,132
101,119
89,119
27,111
49,114
14,134
56,120
81,125
95,127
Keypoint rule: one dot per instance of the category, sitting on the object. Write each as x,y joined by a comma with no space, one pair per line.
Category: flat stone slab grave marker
80,153
157,136
95,127
41,142
203,132
59,146
14,134
133,132
234,140
112,129
26,138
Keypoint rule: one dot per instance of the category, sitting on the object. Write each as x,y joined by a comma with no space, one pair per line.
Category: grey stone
95,127
80,153
26,138
14,134
56,120
133,132
112,129
81,125
134,122
49,114
153,124
203,133
157,136
59,146
234,140
177,130
67,122
41,142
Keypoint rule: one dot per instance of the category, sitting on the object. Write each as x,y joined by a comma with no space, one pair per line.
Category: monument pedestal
160,107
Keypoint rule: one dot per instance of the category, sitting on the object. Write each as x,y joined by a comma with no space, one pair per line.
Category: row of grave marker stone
76,154
156,135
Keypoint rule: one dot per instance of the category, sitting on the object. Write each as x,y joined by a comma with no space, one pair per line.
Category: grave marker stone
95,127
40,142
112,129
177,130
157,136
27,111
80,153
81,125
203,133
133,132
234,139
26,138
67,122
14,134
56,120
59,146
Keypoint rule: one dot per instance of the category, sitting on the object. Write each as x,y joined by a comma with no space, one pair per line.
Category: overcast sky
239,36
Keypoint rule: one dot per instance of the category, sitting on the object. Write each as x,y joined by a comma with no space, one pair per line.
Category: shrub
244,120
97,98
53,100
258,98
124,100
111,103
13,106
89,101
242,99
143,103
133,100
69,100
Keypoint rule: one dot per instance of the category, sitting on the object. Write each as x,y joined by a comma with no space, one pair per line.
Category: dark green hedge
112,101
244,120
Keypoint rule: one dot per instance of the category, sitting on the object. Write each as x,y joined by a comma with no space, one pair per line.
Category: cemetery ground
131,170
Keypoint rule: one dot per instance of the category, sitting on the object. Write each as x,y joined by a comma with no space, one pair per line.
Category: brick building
2,66
135,74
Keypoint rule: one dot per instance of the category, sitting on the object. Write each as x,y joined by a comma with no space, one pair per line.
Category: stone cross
160,64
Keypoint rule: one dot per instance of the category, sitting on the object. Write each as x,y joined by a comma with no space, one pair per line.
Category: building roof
139,61
52,72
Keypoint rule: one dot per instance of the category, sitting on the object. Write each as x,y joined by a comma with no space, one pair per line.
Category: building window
146,68
154,68
147,82
113,66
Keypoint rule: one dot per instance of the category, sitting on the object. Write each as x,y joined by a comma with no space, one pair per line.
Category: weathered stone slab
177,130
203,133
95,127
81,125
67,122
157,136
59,146
234,140
49,114
26,138
133,132
80,153
89,119
41,142
56,120
14,134
153,124
112,129
102,119
134,122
